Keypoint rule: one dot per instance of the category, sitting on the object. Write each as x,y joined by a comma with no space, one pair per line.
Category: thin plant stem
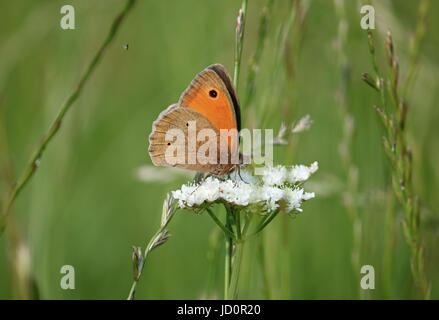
253,64
237,259
235,270
228,257
239,41
293,47
390,244
415,44
266,288
23,280
212,258
248,220
265,221
286,67
279,64
159,238
238,223
34,160
142,264
223,227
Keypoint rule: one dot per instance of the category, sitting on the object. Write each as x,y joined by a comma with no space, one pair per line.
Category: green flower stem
233,248
36,156
228,257
230,217
266,290
248,219
235,270
237,216
265,221
213,255
237,258
223,227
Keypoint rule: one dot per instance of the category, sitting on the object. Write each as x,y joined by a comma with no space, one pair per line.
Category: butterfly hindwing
176,117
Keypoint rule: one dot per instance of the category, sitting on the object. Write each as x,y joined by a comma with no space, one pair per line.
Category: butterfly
210,102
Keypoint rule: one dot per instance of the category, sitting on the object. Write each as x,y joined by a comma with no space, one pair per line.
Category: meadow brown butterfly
210,104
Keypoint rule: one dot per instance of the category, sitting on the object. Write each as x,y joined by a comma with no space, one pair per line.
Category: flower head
300,173
274,175
277,189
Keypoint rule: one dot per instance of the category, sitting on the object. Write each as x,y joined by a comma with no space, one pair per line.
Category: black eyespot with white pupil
213,93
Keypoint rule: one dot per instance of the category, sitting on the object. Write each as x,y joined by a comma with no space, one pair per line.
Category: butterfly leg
199,177
239,174
200,181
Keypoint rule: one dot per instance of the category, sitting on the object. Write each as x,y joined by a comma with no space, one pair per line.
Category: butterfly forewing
210,102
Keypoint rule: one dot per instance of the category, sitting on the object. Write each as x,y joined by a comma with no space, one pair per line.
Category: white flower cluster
279,175
278,188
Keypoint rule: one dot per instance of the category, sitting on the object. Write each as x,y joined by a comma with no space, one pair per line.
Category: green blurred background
86,205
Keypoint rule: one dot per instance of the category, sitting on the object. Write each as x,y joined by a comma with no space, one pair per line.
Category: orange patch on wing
216,109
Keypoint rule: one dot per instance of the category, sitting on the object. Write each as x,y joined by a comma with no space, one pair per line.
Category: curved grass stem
56,124
159,238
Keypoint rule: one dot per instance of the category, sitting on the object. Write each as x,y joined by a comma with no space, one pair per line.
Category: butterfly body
210,102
